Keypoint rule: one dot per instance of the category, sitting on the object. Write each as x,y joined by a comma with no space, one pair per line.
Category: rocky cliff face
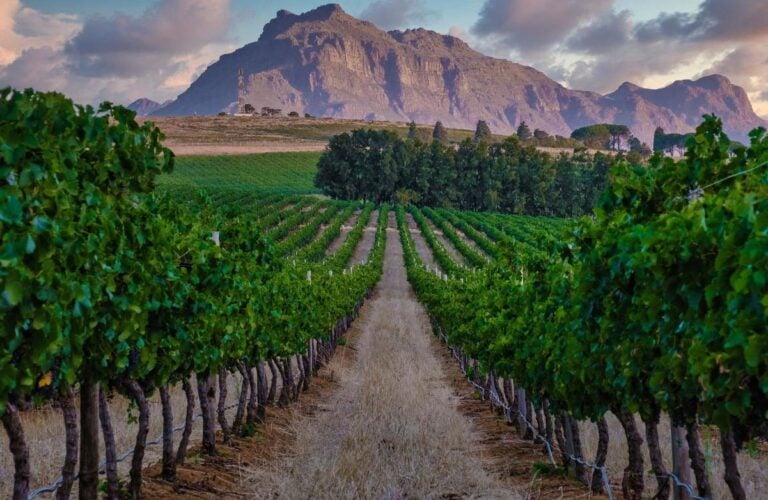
327,63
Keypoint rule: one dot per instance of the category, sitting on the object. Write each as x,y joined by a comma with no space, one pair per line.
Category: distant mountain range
327,63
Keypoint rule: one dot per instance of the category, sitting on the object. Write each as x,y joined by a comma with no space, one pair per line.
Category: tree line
510,176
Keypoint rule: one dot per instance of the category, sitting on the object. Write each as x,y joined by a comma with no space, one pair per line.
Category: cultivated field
225,135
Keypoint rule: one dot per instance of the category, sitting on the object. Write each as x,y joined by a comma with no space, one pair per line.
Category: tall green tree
523,132
439,133
482,132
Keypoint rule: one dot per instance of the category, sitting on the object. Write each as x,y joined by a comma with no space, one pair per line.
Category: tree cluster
509,176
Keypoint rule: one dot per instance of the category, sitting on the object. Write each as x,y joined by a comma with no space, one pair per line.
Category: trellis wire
102,466
496,400
547,444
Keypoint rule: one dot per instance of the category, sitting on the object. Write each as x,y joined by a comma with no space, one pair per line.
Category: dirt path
365,245
447,244
345,229
393,428
421,245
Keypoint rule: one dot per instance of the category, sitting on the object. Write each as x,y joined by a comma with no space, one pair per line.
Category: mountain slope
144,106
327,63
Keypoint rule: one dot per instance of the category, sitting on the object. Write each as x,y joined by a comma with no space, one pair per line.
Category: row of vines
656,305
109,286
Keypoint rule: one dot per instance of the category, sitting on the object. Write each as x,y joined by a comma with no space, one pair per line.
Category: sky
96,50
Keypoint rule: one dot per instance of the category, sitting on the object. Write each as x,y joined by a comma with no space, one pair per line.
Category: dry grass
219,135
754,469
392,430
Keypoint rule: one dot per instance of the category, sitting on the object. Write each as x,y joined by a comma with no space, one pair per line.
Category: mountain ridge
327,63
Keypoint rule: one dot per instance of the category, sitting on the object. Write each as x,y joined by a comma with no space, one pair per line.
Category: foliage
482,132
440,134
657,303
603,136
269,172
669,143
523,132
507,176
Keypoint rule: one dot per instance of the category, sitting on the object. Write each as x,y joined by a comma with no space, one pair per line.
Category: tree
639,147
523,132
248,108
540,135
222,113
440,134
482,132
412,131
293,114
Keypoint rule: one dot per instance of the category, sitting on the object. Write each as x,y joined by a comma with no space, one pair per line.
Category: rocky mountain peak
285,19
327,63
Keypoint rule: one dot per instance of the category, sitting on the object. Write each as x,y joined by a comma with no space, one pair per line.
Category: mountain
327,63
144,106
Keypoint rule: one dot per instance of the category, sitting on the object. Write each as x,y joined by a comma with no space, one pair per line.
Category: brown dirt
223,476
512,458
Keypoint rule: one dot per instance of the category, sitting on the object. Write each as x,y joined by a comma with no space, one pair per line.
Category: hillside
328,63
144,106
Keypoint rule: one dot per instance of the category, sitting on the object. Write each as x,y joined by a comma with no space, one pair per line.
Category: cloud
604,34
589,45
23,28
125,46
119,58
525,25
392,14
715,20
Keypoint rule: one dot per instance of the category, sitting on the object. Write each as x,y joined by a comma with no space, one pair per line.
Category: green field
290,173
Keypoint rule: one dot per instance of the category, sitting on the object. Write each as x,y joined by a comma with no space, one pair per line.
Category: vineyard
222,288
286,173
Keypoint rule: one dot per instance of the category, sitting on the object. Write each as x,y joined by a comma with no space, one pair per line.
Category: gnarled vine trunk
242,400
137,394
657,461
632,484
273,383
261,391
189,416
697,460
601,454
18,447
110,451
732,476
207,394
561,442
578,452
66,398
169,463
307,371
88,487
221,412
252,412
